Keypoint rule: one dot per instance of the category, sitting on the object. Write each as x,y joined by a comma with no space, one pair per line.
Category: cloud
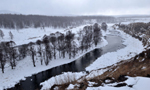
77,7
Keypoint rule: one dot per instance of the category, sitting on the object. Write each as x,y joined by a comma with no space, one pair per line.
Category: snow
143,67
71,86
95,73
61,79
133,47
108,88
131,80
91,83
142,84
26,35
104,33
107,81
25,67
139,83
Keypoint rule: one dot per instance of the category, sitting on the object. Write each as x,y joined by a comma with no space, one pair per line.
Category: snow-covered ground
26,35
139,83
11,77
133,47
54,80
61,79
25,67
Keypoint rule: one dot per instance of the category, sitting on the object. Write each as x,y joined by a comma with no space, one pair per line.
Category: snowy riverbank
25,67
133,47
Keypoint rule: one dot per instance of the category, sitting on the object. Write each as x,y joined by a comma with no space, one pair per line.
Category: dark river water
33,82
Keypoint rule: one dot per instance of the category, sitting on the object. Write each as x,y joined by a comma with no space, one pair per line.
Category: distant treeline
13,21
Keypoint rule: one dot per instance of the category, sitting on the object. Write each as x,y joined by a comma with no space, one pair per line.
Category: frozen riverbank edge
133,47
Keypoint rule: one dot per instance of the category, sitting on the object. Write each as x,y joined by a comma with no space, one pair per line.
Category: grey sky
77,7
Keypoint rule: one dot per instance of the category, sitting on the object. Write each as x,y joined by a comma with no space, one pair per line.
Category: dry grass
137,66
64,80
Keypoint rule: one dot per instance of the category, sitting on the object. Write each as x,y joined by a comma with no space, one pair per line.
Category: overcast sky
77,7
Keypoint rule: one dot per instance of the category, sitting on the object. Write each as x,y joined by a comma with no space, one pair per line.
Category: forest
12,21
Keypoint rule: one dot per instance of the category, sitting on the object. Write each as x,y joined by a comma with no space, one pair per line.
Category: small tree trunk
2,69
41,61
2,66
33,60
12,66
59,54
54,53
14,62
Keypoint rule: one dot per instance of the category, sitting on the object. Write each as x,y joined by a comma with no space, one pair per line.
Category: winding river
33,82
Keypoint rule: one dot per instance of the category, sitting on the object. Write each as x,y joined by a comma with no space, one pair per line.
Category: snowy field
25,67
24,36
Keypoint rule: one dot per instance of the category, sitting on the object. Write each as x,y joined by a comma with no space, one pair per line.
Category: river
33,82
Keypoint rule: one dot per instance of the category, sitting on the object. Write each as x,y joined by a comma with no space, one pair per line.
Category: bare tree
104,26
74,49
97,34
48,51
53,40
61,45
11,35
86,37
12,54
32,53
68,39
40,50
23,49
2,60
1,34
48,54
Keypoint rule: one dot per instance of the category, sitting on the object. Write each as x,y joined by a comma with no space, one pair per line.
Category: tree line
53,46
138,30
13,21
